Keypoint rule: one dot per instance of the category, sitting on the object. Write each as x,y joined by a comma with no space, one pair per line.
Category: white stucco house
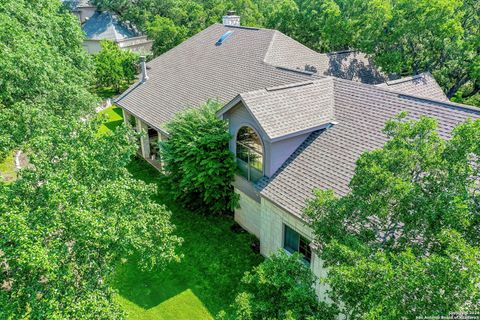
299,119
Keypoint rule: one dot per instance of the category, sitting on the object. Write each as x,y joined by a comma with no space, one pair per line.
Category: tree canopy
74,213
198,162
404,241
405,37
45,70
282,287
114,67
70,218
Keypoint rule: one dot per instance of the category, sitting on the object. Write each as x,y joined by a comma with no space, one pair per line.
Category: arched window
249,154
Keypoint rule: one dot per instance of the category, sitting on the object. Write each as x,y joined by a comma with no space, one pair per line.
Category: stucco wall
271,237
85,13
274,154
248,215
92,46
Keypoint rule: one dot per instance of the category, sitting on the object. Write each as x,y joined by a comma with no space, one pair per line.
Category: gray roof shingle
197,70
422,85
285,110
326,160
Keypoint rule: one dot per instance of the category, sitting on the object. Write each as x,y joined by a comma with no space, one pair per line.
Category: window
224,37
294,242
249,154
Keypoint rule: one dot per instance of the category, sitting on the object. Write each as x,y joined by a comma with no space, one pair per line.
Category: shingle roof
292,109
106,26
423,85
350,65
327,158
197,70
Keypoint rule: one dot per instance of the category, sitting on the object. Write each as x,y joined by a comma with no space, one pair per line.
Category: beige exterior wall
266,221
272,232
248,215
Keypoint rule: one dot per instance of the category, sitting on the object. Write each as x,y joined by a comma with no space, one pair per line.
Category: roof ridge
289,86
269,47
341,52
406,79
406,95
293,69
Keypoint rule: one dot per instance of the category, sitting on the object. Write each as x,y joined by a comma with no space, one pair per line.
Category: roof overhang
235,101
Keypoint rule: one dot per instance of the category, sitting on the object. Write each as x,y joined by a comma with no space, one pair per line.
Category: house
102,25
299,119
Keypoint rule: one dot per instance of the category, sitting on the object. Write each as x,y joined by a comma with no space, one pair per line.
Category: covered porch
149,142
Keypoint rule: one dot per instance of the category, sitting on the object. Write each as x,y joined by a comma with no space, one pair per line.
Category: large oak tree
404,242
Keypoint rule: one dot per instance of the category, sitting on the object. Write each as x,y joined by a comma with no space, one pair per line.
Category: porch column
144,141
126,116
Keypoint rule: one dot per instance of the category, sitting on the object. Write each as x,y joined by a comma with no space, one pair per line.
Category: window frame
307,259
250,151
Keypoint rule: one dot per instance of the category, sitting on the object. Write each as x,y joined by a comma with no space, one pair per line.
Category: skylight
223,38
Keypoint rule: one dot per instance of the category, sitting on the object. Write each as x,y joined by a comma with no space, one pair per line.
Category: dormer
268,125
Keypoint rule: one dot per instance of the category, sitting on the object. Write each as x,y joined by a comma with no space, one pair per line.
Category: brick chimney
231,19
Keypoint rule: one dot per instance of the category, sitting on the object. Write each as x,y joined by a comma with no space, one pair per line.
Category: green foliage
70,218
44,68
74,213
402,36
213,262
282,287
115,67
165,34
170,22
404,241
200,165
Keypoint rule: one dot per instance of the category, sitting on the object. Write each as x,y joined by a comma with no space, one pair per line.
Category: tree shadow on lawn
214,261
112,125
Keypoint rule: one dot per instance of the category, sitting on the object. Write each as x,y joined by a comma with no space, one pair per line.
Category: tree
199,163
410,37
282,287
114,67
165,34
169,22
43,66
70,218
404,241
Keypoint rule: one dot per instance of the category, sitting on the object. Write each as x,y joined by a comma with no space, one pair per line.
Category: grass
7,168
207,278
114,119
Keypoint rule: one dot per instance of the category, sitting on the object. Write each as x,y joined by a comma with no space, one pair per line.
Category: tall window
249,154
294,242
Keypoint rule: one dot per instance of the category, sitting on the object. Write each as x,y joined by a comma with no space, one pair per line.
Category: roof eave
304,131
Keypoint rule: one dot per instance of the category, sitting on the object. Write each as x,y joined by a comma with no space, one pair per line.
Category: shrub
200,166
282,287
114,68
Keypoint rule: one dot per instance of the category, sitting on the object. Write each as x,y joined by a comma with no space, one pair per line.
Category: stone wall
248,215
272,233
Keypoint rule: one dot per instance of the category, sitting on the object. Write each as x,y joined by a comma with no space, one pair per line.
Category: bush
200,166
114,68
282,287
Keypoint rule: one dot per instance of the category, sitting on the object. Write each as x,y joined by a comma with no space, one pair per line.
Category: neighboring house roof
75,4
423,85
249,59
288,110
327,159
106,26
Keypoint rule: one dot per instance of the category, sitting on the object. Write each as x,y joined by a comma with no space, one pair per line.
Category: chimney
143,66
231,19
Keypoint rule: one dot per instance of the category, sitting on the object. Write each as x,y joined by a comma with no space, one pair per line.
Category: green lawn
7,168
114,119
207,278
